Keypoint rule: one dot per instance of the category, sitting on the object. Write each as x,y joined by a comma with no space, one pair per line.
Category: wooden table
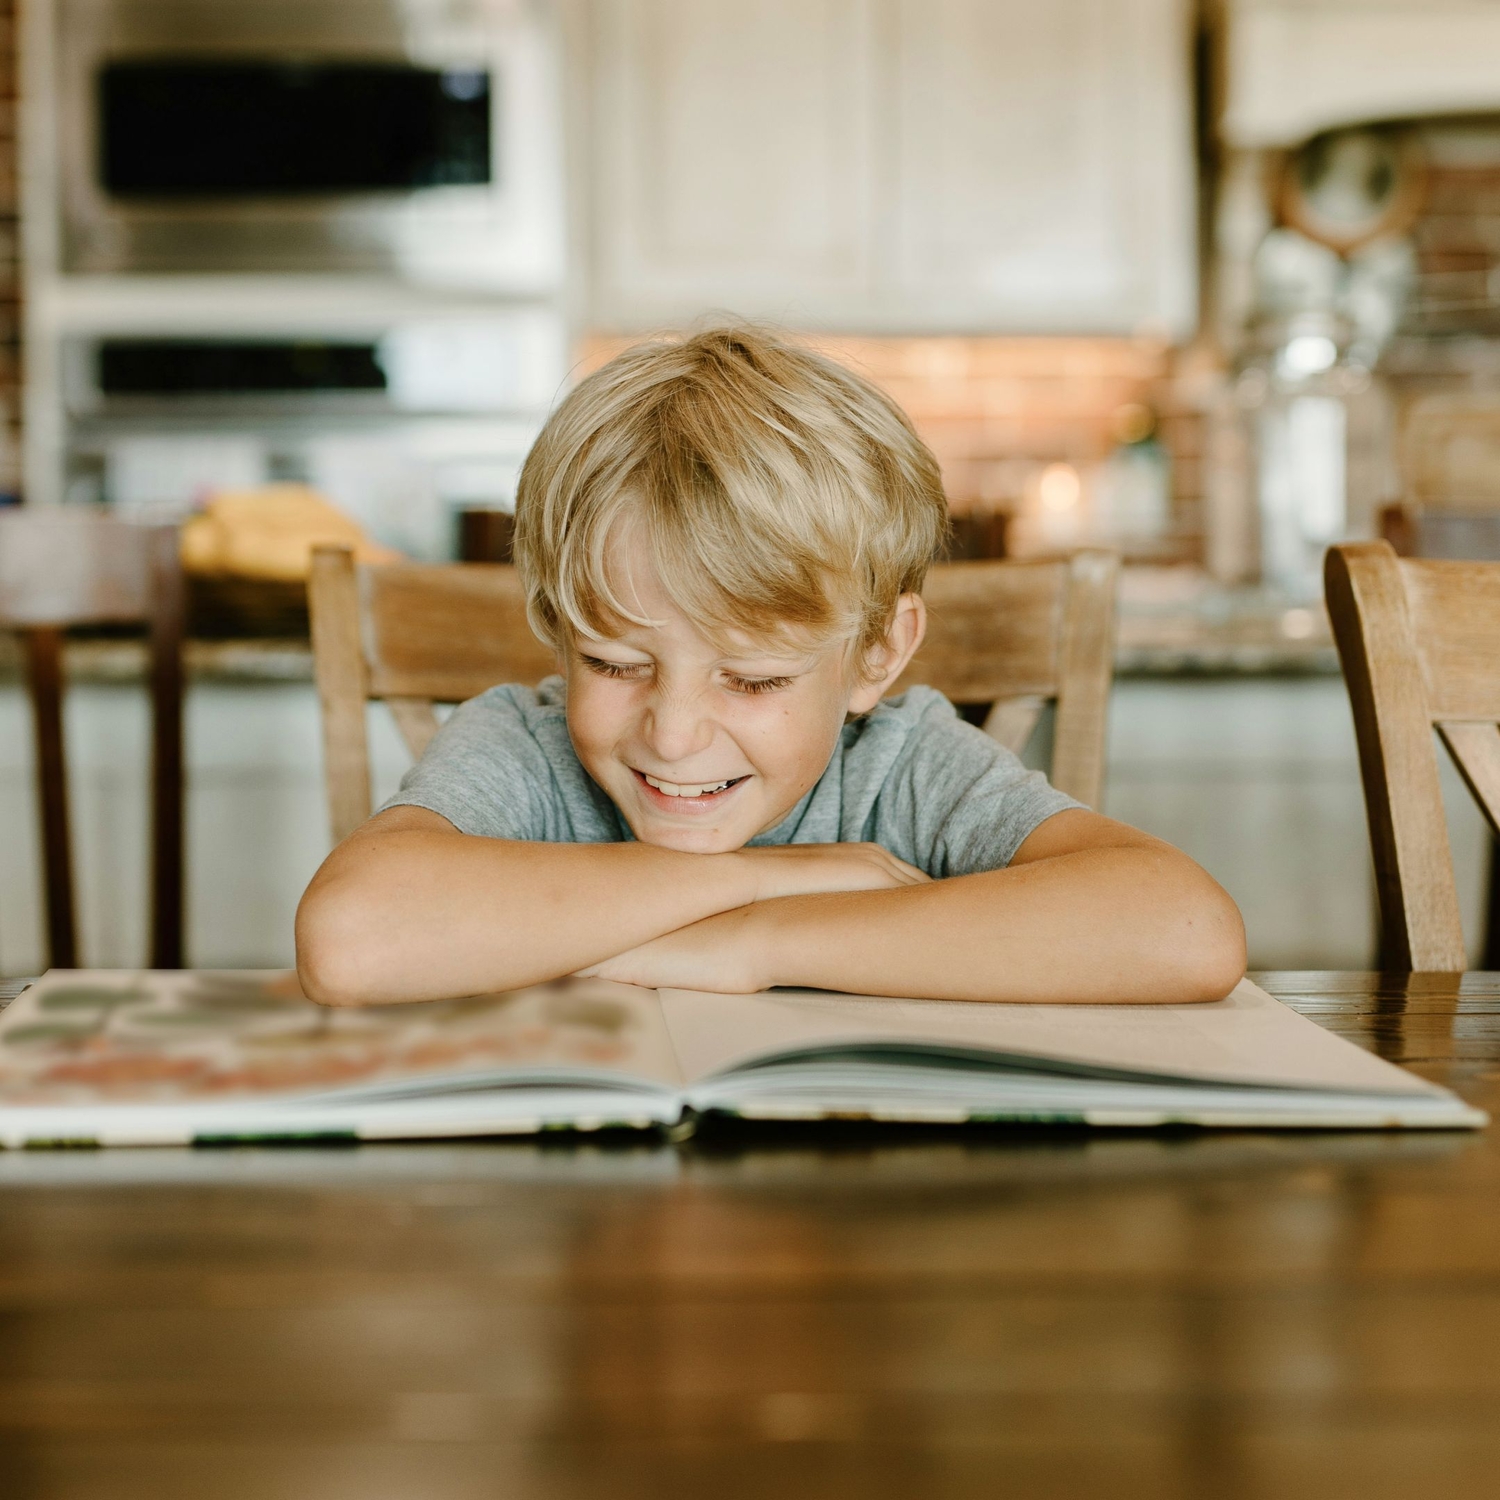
798,1313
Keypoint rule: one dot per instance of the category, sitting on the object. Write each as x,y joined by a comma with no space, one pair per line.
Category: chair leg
166,753
1490,957
44,672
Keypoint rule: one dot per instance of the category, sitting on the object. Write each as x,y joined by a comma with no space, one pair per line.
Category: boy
725,539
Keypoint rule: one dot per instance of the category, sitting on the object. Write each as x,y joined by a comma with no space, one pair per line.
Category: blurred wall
10,255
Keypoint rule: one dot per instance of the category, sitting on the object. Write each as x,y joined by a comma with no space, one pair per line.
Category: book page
1247,1038
123,1036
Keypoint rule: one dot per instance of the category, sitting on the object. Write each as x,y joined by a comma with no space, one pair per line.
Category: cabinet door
893,165
730,158
1044,165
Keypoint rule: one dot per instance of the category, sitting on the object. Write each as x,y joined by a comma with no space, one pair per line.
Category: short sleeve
957,802
484,771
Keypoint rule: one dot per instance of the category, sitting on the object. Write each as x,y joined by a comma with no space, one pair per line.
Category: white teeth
677,789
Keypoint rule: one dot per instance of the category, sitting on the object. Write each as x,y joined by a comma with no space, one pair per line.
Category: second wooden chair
63,567
1420,646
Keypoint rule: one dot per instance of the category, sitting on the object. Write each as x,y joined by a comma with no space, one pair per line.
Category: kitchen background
1213,284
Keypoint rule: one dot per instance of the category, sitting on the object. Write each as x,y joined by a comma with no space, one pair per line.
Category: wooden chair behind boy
1009,635
414,635
1420,645
61,568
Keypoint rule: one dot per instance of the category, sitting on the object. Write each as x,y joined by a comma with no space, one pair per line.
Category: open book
128,1058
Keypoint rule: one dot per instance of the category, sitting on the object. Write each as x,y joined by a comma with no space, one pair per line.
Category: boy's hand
811,869
725,954
728,953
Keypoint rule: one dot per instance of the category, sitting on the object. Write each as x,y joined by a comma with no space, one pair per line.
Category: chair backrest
60,568
1016,635
413,634
1007,634
1420,646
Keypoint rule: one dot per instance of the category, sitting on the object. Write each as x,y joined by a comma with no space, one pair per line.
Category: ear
888,660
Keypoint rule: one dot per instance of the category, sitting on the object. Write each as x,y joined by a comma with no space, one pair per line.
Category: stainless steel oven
414,139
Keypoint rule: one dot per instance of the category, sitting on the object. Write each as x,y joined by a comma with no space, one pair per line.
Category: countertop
1173,622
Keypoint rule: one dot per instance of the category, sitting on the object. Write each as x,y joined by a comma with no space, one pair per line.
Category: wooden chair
1006,634
1420,646
412,634
1013,635
61,568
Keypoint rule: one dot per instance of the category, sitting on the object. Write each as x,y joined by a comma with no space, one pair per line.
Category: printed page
1246,1038
121,1036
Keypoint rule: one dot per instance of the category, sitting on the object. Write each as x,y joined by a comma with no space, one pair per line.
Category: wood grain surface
1370,611
1010,635
792,1313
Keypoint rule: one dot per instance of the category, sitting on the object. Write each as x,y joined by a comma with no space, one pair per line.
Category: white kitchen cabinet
1300,66
731,156
892,165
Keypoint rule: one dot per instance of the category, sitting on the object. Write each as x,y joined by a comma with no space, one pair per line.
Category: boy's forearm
416,914
1101,925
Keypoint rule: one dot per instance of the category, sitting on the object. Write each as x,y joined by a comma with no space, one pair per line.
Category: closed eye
758,684
616,669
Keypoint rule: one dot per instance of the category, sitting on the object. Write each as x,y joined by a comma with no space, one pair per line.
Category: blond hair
778,494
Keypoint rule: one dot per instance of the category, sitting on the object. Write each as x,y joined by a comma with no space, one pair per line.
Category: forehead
680,635
639,607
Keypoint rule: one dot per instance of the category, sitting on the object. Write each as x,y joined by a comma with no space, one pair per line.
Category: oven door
415,139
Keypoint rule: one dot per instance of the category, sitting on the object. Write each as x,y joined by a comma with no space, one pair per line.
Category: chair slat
1012,721
416,721
339,666
1476,752
992,631
1085,674
1455,611
446,633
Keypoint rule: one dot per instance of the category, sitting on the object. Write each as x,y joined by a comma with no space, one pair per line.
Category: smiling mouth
689,791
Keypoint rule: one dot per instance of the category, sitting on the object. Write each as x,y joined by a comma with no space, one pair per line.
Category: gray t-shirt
910,776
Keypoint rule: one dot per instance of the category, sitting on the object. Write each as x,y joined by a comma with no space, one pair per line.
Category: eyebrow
803,658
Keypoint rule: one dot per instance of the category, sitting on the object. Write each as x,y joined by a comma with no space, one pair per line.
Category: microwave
417,140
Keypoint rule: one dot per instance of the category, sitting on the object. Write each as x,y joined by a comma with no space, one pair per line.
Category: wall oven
414,139
317,240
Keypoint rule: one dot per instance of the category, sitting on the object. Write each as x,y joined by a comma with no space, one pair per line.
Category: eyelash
609,668
626,670
759,684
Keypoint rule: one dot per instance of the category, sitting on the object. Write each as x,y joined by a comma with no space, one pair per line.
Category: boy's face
701,750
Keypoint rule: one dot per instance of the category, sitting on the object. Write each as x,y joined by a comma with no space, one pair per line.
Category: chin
693,840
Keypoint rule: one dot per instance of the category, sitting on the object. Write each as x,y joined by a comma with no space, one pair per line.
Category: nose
677,725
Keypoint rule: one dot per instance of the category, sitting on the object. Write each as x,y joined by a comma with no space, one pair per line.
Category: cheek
792,740
597,711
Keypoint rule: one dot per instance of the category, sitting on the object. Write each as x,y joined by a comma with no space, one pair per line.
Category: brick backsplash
1457,242
1443,366
994,409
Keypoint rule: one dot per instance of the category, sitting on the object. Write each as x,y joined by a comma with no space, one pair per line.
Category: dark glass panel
181,367
230,129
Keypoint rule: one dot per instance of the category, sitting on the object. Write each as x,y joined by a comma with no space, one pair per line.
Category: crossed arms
1089,910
